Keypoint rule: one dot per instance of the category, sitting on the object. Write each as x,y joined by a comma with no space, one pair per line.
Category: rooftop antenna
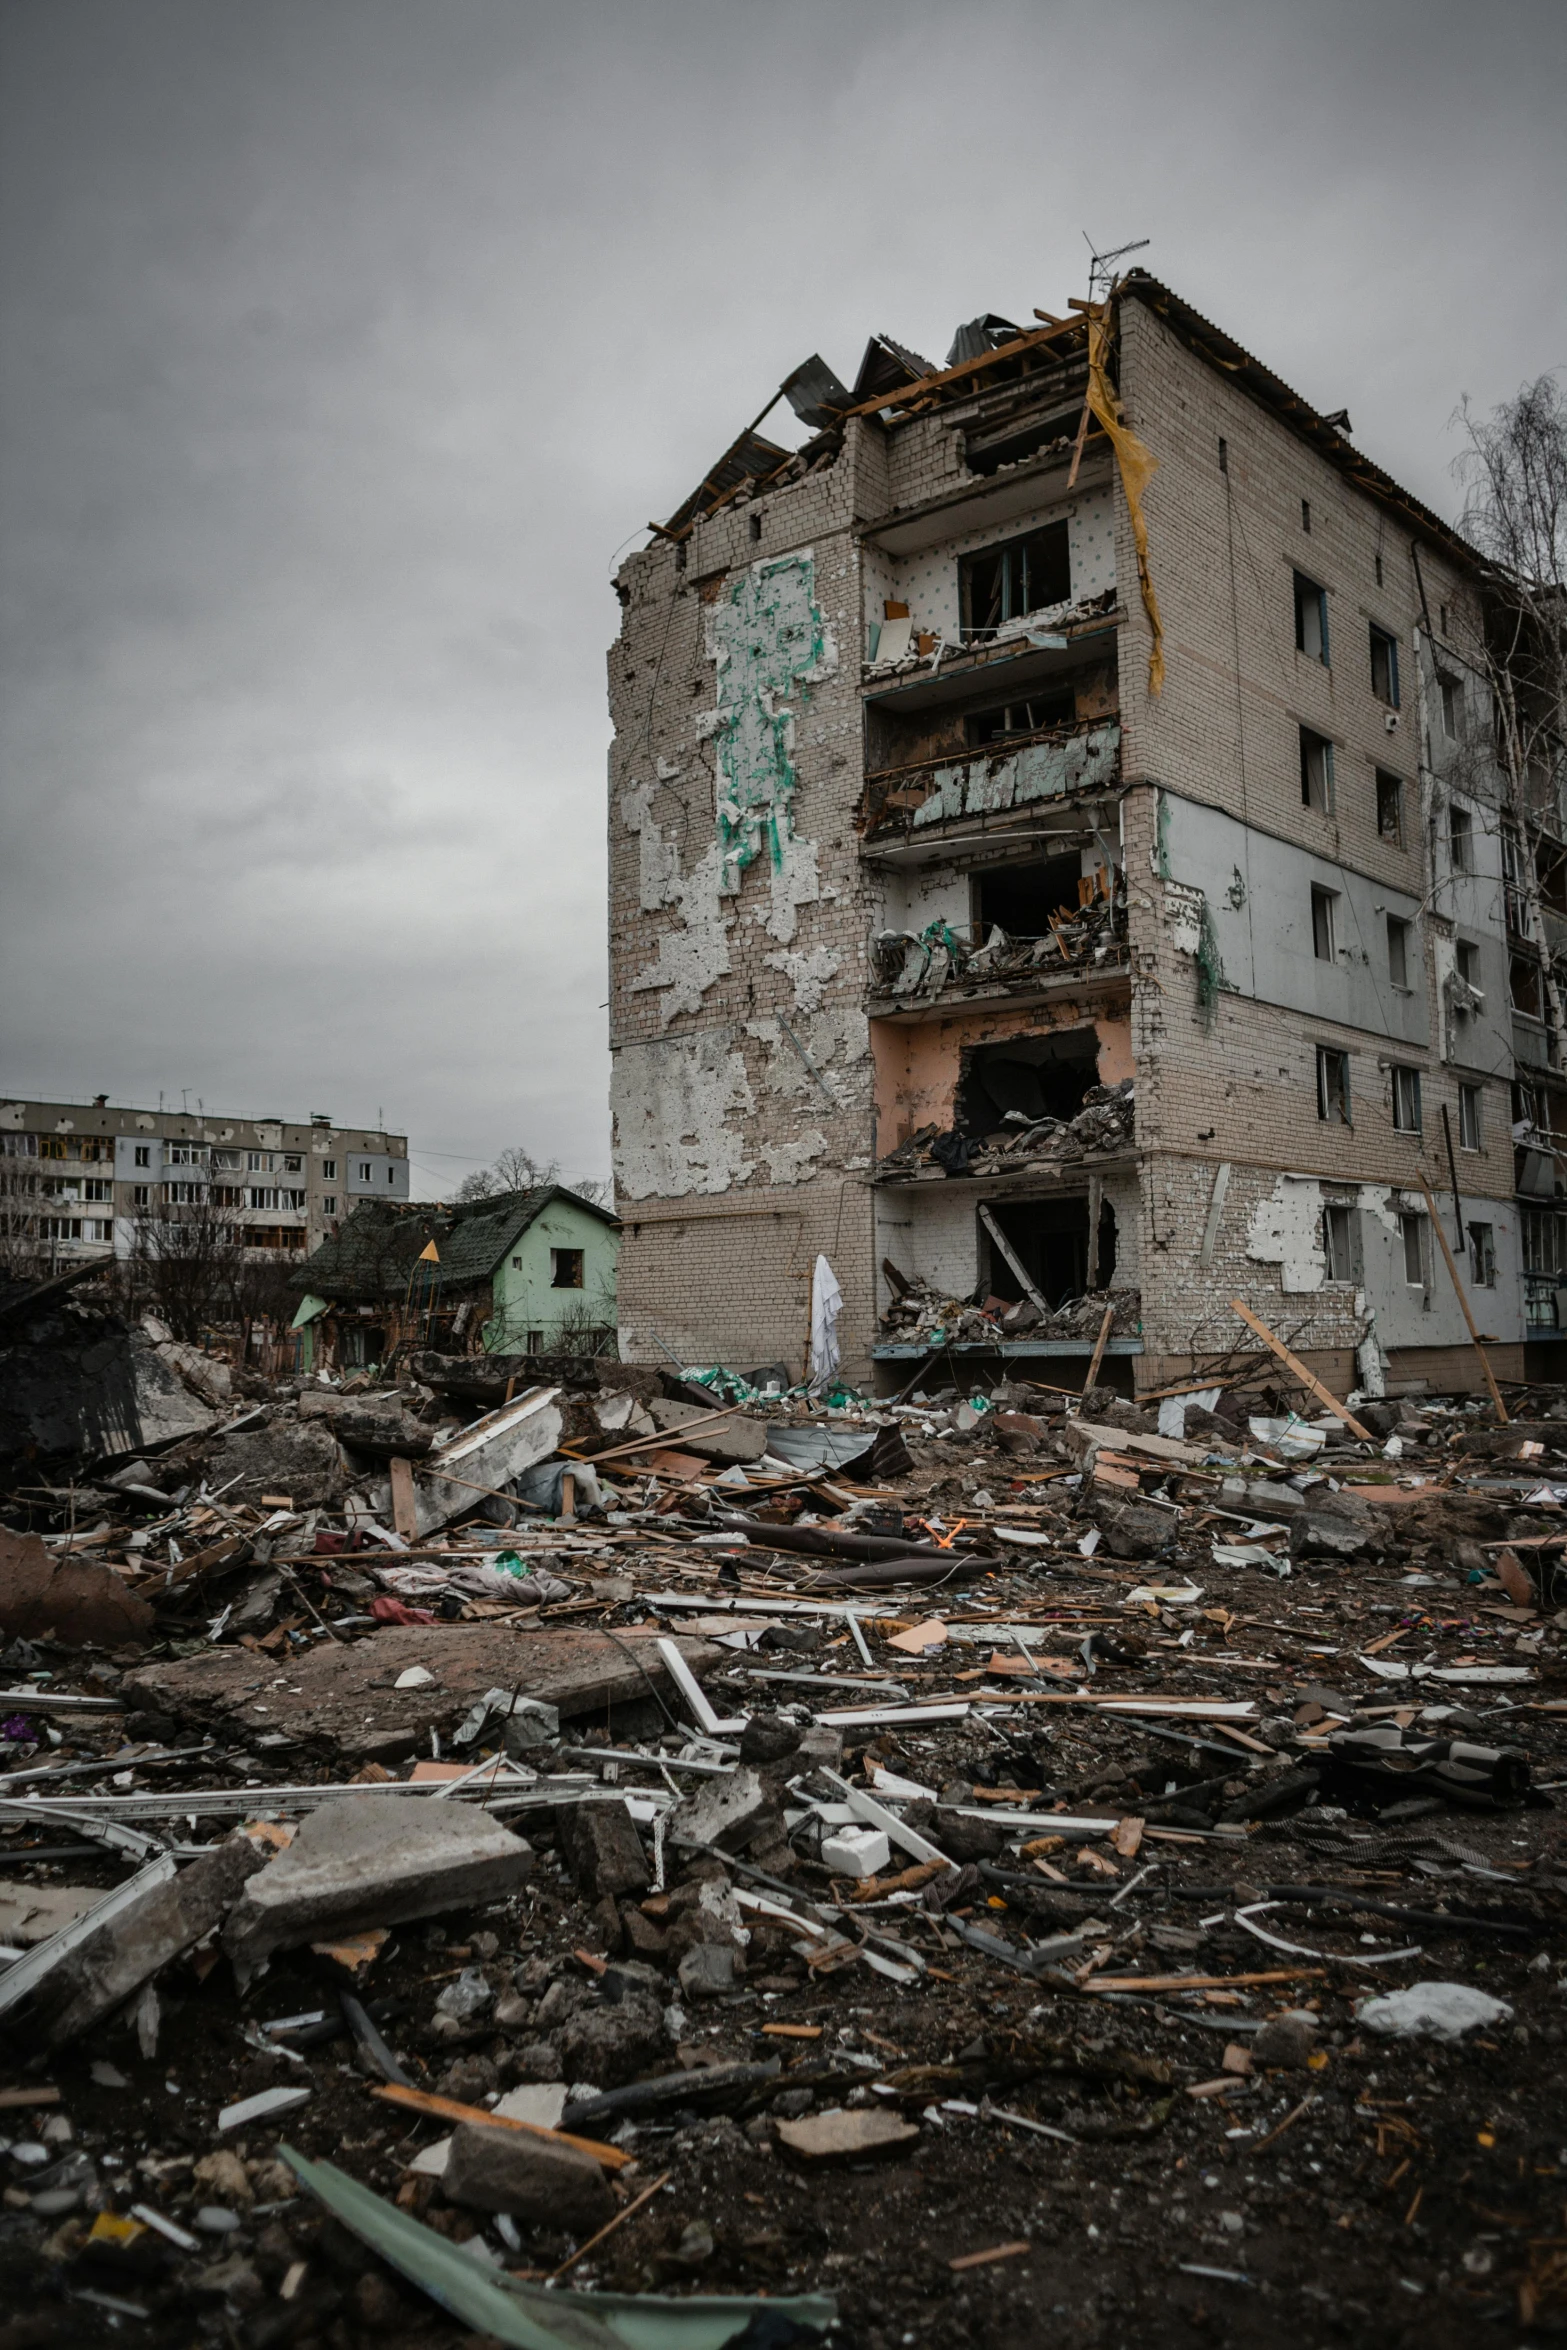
1101,273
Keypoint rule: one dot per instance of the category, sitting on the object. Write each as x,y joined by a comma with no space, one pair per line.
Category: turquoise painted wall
524,1298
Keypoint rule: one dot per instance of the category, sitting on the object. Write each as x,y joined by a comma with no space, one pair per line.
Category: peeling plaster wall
671,1103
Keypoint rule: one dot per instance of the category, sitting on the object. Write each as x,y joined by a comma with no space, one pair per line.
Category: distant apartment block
85,1176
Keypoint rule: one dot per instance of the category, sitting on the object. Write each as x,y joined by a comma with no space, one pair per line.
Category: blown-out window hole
1027,1078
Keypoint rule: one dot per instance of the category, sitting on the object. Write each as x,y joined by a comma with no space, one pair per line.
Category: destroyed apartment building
1061,875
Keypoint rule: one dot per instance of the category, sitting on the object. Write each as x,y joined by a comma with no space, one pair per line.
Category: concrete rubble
1178,1807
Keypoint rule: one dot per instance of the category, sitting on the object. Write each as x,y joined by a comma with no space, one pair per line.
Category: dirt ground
1360,2188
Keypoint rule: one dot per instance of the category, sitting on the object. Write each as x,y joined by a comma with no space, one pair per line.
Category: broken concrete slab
839,2135
341,1698
373,1860
483,1458
53,1595
299,1458
132,1946
537,2180
725,1441
721,1813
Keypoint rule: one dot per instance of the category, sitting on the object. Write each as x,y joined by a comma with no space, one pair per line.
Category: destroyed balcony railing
1055,763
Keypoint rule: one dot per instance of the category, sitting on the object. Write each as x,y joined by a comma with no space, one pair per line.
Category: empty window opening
1524,984
1398,950
1324,943
1482,1256
364,1170
143,1154
1379,570
1316,771
1032,716
1022,898
329,1204
1384,666
1471,1117
1050,1240
1460,840
1390,808
1406,1099
1022,575
565,1268
1026,1080
1338,1243
1333,1085
1305,516
1224,454
1412,1233
755,524
1441,612
1466,961
329,1170
1311,619
1452,694
1550,870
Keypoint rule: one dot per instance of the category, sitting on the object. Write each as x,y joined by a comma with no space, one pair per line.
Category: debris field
638,1859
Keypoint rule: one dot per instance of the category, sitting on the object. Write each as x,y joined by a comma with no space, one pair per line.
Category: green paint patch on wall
767,636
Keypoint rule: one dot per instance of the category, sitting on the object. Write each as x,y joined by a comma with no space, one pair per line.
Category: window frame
1311,598
1404,1087
1460,828
1412,1228
1327,1093
558,1260
1385,643
1471,1117
1390,790
1482,1254
1311,743
1058,533
1399,932
1324,924
1338,1241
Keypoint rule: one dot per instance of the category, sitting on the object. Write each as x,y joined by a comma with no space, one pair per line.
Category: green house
523,1272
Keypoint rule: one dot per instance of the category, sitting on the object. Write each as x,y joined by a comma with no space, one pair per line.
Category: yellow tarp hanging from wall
1138,466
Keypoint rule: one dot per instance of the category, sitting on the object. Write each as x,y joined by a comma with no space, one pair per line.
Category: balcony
1057,763
1083,950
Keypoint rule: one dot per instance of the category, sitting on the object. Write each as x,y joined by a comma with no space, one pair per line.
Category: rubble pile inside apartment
938,961
489,1846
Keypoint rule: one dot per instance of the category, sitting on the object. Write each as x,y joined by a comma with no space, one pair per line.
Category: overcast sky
346,342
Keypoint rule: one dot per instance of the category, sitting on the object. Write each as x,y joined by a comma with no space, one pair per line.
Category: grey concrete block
131,1948
602,1848
534,2179
374,1860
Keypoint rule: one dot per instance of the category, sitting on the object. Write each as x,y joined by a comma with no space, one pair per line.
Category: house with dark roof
522,1272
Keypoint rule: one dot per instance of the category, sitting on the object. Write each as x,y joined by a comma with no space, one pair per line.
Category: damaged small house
1058,855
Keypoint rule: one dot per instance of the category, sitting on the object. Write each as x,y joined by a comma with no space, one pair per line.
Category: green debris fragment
534,2317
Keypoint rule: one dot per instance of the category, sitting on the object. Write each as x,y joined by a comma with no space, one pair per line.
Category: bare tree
1513,469
516,1169
188,1264
24,1254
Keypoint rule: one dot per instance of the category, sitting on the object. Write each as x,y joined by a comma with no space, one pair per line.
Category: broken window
143,1154
364,1171
1323,926
1544,1241
1460,839
565,1268
1316,771
1338,1243
1026,1080
1452,693
227,1195
1029,717
1311,619
1020,899
1398,950
1406,1099
329,1204
1471,1120
1384,666
1021,575
1412,1233
1390,808
329,1170
1466,962
1333,1085
1550,870
141,1195
1482,1258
